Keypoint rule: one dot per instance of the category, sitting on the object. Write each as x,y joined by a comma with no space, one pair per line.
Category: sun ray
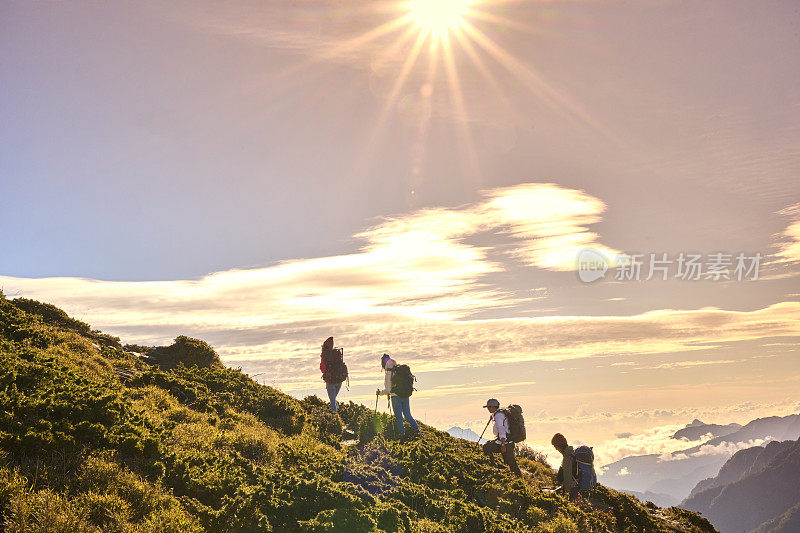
549,95
513,65
433,61
394,48
405,70
483,69
462,120
401,78
503,21
453,30
364,38
345,47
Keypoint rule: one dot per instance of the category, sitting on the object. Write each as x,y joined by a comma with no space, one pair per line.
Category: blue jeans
402,408
333,390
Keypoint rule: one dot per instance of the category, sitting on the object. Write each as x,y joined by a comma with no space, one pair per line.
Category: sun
456,38
439,17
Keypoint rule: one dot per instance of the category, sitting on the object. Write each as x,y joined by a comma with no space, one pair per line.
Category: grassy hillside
94,438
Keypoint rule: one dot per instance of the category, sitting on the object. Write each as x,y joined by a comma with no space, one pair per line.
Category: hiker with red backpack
398,384
334,370
504,430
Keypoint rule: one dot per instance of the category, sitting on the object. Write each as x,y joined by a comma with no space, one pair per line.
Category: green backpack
402,381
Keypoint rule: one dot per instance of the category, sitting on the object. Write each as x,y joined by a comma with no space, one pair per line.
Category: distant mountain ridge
757,490
466,434
658,498
697,429
771,427
741,464
677,473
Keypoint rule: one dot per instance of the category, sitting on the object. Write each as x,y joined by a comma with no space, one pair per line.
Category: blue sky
261,175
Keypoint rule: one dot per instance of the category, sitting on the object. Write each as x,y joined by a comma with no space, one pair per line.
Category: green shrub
339,521
326,426
51,315
187,351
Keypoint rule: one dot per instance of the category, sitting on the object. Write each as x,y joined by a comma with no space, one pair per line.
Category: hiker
334,370
398,384
502,444
569,467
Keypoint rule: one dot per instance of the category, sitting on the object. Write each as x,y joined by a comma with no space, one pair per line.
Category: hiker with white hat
399,386
502,443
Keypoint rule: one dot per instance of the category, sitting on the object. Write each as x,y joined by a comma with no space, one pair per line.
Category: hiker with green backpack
509,427
398,384
334,370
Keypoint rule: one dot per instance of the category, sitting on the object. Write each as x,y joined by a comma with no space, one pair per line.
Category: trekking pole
376,403
482,432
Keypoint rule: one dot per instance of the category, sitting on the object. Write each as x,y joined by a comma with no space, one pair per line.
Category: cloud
623,472
473,389
465,342
410,289
789,240
729,448
686,364
656,440
724,448
548,221
413,267
547,224
434,344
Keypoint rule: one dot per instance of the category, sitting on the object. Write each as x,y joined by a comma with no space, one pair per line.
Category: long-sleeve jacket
567,467
500,428
387,378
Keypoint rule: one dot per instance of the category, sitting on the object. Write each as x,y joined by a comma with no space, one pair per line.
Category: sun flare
457,35
439,17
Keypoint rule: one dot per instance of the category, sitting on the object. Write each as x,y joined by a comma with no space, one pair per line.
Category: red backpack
335,367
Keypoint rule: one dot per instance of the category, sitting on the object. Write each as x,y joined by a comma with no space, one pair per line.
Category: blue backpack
587,478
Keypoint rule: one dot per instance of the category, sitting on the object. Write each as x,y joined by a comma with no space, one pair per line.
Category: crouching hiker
503,443
334,370
568,472
398,384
